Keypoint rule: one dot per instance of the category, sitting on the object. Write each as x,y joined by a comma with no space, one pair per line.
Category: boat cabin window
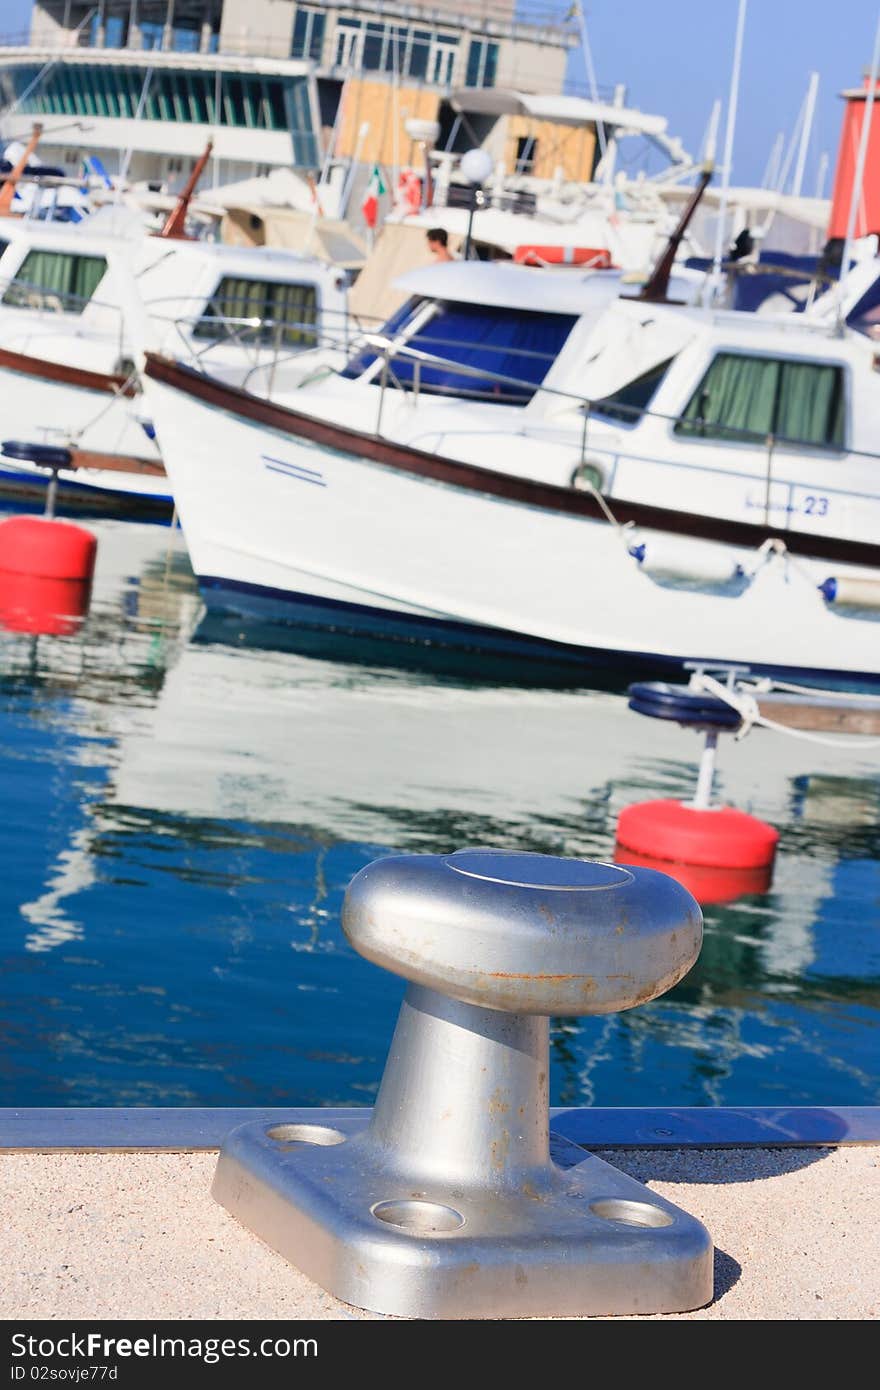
748,398
478,343
288,313
55,280
629,403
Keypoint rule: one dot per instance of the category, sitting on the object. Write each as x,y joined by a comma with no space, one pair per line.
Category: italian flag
374,191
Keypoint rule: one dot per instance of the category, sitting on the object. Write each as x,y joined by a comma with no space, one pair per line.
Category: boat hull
119,469
281,525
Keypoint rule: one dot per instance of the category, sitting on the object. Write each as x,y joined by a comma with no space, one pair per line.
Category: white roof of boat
512,286
509,286
126,234
773,332
567,110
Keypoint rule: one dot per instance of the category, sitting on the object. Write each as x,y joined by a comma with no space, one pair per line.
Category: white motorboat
67,355
667,483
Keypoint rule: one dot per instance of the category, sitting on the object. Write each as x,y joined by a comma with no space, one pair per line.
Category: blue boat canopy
482,338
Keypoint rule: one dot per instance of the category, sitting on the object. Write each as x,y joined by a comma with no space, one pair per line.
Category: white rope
621,527
76,435
765,684
747,707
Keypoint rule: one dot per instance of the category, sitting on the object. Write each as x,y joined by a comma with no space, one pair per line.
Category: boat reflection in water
181,816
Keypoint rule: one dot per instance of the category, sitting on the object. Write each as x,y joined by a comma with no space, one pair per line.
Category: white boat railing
16,293
350,337
587,477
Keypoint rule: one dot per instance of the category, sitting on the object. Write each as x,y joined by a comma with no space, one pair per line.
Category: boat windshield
59,280
479,343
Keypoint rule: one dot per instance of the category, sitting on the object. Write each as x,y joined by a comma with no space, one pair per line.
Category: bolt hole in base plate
306,1134
630,1213
421,1218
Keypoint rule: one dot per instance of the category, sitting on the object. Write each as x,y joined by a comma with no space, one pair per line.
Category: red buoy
710,886
719,837
46,569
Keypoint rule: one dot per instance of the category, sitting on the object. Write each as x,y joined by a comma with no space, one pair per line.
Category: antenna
809,111
591,72
771,168
728,141
710,139
175,224
822,174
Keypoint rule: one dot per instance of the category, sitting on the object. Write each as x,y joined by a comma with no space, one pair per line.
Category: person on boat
438,244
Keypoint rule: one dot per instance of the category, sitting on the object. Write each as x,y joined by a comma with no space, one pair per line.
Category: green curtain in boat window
42,275
735,400
293,306
749,398
810,405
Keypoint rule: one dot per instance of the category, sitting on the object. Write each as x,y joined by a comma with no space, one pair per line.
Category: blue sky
674,56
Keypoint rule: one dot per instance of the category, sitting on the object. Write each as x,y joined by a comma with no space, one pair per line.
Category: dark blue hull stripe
36,484
309,611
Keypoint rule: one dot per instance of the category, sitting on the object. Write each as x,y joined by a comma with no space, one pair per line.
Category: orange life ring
598,257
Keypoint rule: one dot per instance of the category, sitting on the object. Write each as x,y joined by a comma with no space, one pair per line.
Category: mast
809,112
655,288
728,142
7,191
176,220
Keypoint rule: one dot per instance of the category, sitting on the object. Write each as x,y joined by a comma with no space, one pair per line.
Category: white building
150,81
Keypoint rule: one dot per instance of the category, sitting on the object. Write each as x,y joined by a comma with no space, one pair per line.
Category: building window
374,46
748,398
482,63
419,49
256,102
348,43
151,34
55,280
115,31
308,34
526,154
287,313
185,40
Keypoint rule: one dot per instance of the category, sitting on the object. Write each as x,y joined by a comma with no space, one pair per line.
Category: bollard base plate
584,1240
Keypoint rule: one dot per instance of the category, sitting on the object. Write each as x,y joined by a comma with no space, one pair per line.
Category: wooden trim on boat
116,463
508,486
114,383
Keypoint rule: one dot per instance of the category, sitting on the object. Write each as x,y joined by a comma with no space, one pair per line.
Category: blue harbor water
183,807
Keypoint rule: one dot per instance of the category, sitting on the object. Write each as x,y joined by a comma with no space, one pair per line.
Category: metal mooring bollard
453,1199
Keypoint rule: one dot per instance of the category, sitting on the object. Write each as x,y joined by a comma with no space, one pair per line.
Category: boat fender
852,593
673,558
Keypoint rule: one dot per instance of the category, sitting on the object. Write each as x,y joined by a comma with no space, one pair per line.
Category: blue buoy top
43,455
692,709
